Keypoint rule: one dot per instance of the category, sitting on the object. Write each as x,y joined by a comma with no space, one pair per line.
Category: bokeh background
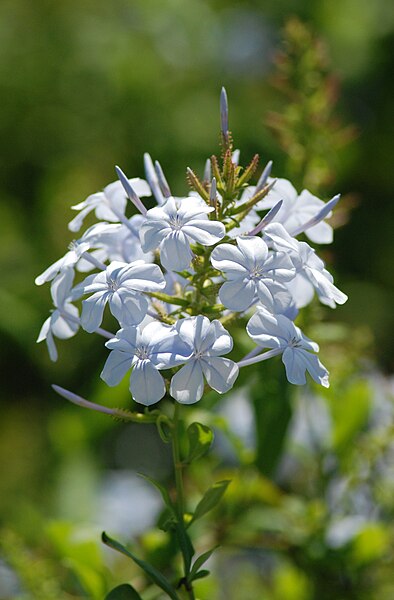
87,85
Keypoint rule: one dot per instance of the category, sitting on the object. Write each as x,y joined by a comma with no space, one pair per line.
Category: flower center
295,342
142,353
112,284
176,222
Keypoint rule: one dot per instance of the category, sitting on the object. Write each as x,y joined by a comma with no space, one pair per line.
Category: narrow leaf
123,592
185,545
201,574
163,491
198,563
200,440
153,573
210,499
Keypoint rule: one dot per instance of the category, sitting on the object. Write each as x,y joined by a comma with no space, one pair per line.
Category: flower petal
146,384
175,253
204,231
220,373
116,367
238,294
187,385
128,308
92,311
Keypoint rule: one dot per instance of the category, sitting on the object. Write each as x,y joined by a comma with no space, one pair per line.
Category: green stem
180,492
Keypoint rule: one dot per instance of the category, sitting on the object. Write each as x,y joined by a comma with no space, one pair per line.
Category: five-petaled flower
177,224
253,273
156,347
207,341
121,285
279,333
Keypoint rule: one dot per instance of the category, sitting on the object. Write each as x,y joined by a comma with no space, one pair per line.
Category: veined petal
194,330
61,286
270,331
238,294
220,373
222,341
126,340
297,361
142,277
127,307
92,311
227,258
146,384
254,250
175,253
205,232
322,233
116,367
301,290
187,385
152,232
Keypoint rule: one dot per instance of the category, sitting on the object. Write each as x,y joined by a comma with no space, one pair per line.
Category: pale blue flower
156,347
108,205
280,334
311,273
207,341
63,322
174,226
121,285
297,210
253,273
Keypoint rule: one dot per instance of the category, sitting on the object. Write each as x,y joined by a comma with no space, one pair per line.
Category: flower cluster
174,274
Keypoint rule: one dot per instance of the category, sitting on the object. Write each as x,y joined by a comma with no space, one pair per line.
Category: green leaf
153,573
199,563
272,408
210,499
201,574
123,592
164,493
200,440
185,545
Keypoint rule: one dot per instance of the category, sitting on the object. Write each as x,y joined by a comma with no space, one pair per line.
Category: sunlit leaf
200,440
210,499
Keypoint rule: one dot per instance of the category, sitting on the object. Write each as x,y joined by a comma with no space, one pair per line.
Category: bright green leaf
200,440
210,499
123,592
153,573
201,574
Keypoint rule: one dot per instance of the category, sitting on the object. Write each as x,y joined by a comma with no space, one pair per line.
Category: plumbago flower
177,224
108,205
121,286
145,351
253,273
63,322
208,341
282,336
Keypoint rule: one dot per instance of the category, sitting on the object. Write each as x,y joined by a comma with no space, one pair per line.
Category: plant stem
180,493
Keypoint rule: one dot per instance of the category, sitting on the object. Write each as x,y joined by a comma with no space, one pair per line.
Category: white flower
118,242
77,248
279,333
174,226
311,273
108,204
156,347
122,286
251,272
297,210
208,341
63,322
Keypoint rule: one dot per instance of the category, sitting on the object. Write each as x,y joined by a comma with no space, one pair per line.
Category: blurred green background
87,85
